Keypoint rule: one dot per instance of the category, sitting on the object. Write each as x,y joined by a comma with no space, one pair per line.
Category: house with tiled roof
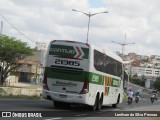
30,70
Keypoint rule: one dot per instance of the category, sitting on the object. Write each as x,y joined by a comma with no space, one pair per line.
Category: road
62,112
73,112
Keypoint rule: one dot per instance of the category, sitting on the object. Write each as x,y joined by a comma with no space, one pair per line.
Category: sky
47,20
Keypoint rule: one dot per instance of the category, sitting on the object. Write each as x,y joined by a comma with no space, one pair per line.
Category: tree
157,83
12,50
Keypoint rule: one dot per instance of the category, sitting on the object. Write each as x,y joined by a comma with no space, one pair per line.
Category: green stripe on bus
115,82
96,78
81,76
65,75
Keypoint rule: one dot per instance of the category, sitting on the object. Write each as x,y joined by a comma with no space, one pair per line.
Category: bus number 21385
67,62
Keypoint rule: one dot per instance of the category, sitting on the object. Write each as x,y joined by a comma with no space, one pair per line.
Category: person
154,92
137,94
130,93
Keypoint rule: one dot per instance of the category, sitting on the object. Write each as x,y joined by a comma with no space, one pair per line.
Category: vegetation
12,50
137,81
157,83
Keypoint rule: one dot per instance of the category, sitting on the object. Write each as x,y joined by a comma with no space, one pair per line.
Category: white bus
80,73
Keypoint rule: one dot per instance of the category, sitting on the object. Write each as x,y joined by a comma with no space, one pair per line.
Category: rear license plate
62,96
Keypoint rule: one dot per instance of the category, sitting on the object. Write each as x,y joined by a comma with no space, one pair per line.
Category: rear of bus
65,75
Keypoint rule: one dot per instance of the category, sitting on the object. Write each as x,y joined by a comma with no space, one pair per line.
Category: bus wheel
99,103
94,107
115,105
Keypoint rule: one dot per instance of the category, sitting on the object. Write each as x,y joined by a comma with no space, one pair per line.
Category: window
106,64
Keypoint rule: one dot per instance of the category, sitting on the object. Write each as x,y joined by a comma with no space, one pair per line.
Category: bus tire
94,107
99,103
115,105
56,104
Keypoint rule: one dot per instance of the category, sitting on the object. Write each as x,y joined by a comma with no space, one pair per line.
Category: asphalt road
69,113
66,112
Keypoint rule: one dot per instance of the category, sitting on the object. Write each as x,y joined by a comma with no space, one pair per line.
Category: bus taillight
87,44
85,88
45,86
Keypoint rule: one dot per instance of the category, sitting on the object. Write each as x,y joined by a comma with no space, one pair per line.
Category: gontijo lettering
62,50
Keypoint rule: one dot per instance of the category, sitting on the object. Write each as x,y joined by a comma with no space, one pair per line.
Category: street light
89,15
123,44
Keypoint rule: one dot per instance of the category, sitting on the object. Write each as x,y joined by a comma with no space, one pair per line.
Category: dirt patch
146,91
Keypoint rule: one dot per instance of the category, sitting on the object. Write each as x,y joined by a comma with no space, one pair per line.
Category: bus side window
119,70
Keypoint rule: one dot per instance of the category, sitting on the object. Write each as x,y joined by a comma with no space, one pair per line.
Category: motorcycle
129,100
153,97
137,99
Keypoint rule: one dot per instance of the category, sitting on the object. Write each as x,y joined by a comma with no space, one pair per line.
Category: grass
125,97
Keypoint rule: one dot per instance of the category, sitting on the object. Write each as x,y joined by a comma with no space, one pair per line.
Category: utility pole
89,15
123,44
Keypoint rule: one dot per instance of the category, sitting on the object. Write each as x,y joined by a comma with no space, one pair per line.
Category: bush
137,81
157,84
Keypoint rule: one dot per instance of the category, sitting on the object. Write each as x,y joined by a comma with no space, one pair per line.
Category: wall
11,91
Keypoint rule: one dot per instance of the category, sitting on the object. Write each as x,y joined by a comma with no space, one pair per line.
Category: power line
17,29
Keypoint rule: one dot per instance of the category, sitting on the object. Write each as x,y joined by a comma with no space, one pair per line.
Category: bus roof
109,53
105,51
69,41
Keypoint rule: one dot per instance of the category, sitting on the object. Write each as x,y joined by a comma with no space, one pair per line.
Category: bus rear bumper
63,97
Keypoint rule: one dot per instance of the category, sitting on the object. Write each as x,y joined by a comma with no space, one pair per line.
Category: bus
80,73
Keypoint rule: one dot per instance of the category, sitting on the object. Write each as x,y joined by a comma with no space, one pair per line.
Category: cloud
45,20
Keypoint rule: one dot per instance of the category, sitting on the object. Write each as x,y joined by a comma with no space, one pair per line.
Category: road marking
80,115
54,118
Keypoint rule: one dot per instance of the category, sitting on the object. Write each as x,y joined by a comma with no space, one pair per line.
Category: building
31,69
145,72
155,60
136,63
142,66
